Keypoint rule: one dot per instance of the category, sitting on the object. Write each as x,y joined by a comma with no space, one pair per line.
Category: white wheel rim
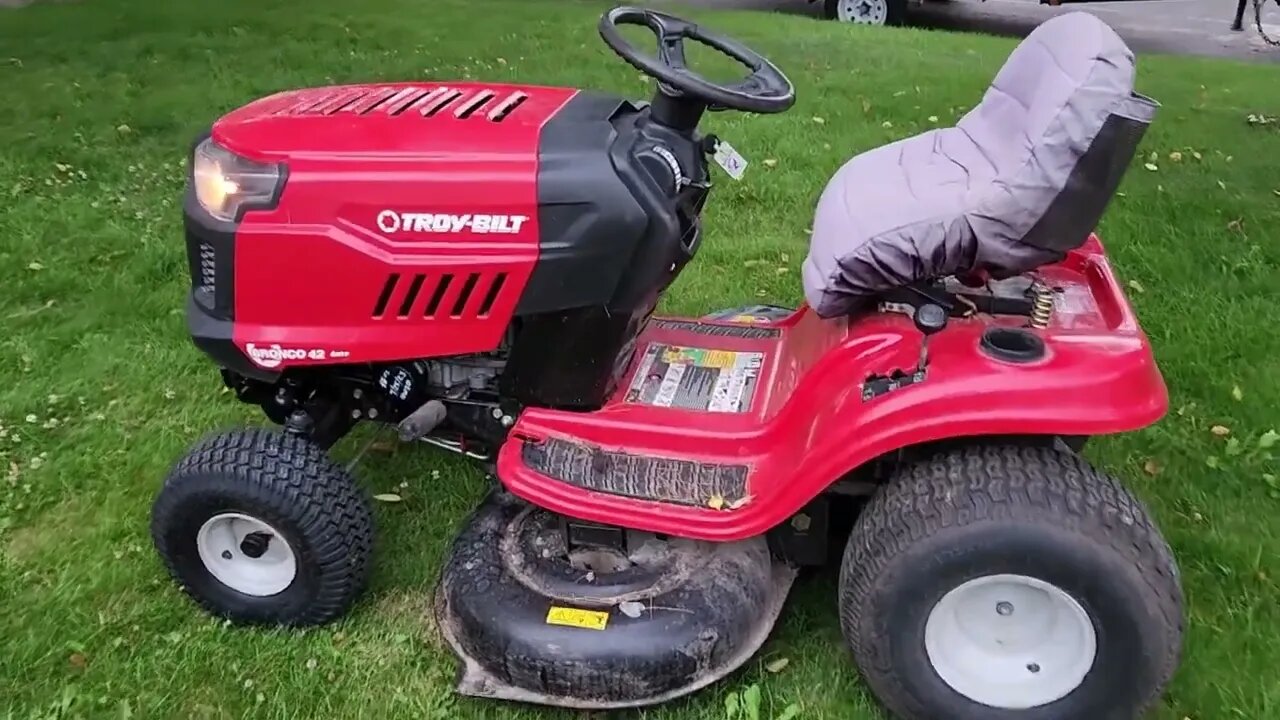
1010,641
864,12
222,548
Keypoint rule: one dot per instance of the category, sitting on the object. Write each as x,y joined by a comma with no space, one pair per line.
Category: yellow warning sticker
575,617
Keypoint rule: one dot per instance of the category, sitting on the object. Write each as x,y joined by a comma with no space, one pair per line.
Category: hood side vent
428,102
440,100
507,106
403,100
369,102
473,104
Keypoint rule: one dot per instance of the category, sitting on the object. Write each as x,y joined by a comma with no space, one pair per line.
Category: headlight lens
226,183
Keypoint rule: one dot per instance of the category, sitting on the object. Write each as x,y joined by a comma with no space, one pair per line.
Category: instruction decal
696,378
576,617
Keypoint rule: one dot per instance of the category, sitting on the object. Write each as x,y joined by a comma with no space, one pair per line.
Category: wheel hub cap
1010,641
865,12
246,554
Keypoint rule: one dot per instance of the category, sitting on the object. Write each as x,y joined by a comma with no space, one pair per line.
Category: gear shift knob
930,319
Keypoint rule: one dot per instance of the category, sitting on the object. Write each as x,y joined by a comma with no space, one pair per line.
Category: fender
810,425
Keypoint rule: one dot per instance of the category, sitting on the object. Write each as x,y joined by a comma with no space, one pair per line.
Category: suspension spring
1041,306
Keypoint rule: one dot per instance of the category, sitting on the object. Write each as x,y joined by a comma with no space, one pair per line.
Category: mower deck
722,429
534,620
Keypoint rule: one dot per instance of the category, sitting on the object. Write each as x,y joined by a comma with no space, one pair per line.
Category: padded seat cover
1024,176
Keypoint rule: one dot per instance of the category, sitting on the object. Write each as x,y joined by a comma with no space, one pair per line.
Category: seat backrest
1060,124
1022,178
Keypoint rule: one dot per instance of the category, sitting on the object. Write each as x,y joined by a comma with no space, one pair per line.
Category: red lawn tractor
478,266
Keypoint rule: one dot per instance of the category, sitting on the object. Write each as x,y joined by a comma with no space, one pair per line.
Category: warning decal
696,378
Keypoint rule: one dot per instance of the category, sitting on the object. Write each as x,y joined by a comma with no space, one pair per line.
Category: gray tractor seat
1023,178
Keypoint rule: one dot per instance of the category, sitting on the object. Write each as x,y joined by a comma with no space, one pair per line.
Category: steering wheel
764,90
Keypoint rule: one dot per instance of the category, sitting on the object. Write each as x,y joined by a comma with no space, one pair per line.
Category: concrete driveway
1190,27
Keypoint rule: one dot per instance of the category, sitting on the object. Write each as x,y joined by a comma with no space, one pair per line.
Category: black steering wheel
764,90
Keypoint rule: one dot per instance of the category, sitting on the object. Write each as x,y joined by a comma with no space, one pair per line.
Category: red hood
391,119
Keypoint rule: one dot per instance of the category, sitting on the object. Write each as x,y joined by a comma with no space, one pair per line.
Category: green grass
100,389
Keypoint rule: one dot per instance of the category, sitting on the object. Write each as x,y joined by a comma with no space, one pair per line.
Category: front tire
1010,583
262,527
867,12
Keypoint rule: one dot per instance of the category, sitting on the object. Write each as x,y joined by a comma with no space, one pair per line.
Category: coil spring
1041,306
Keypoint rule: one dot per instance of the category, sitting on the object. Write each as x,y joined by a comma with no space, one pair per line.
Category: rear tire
867,12
1010,545
260,526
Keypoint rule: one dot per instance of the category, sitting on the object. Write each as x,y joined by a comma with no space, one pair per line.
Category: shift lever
930,319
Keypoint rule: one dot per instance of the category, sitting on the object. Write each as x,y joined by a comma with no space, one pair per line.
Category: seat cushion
1022,178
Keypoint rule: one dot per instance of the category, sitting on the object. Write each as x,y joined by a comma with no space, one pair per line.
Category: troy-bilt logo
270,356
391,222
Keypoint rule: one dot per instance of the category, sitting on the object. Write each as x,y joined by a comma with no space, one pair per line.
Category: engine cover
419,221
407,227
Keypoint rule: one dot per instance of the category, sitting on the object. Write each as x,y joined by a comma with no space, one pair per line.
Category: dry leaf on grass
1220,430
1151,467
777,666
388,498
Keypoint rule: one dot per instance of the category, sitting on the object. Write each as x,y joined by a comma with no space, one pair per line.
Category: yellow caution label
575,617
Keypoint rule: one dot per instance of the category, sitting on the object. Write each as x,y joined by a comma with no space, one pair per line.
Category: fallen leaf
388,498
1175,156
866,106
1152,167
631,608
1151,467
886,124
770,162
35,266
1136,286
1236,225
124,129
716,502
78,661
777,666
1222,185
1220,430
34,311
1237,393
1197,156
933,118
820,121
786,258
1268,440
311,664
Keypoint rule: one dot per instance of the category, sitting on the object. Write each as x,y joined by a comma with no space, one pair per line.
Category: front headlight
226,183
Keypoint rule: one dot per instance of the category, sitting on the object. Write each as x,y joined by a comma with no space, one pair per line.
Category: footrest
683,482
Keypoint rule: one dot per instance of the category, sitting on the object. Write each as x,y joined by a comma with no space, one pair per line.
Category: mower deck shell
808,422
698,612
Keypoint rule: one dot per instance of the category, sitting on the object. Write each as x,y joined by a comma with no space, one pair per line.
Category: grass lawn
100,389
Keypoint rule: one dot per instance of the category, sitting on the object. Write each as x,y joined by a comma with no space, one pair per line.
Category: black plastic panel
620,199
1075,212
